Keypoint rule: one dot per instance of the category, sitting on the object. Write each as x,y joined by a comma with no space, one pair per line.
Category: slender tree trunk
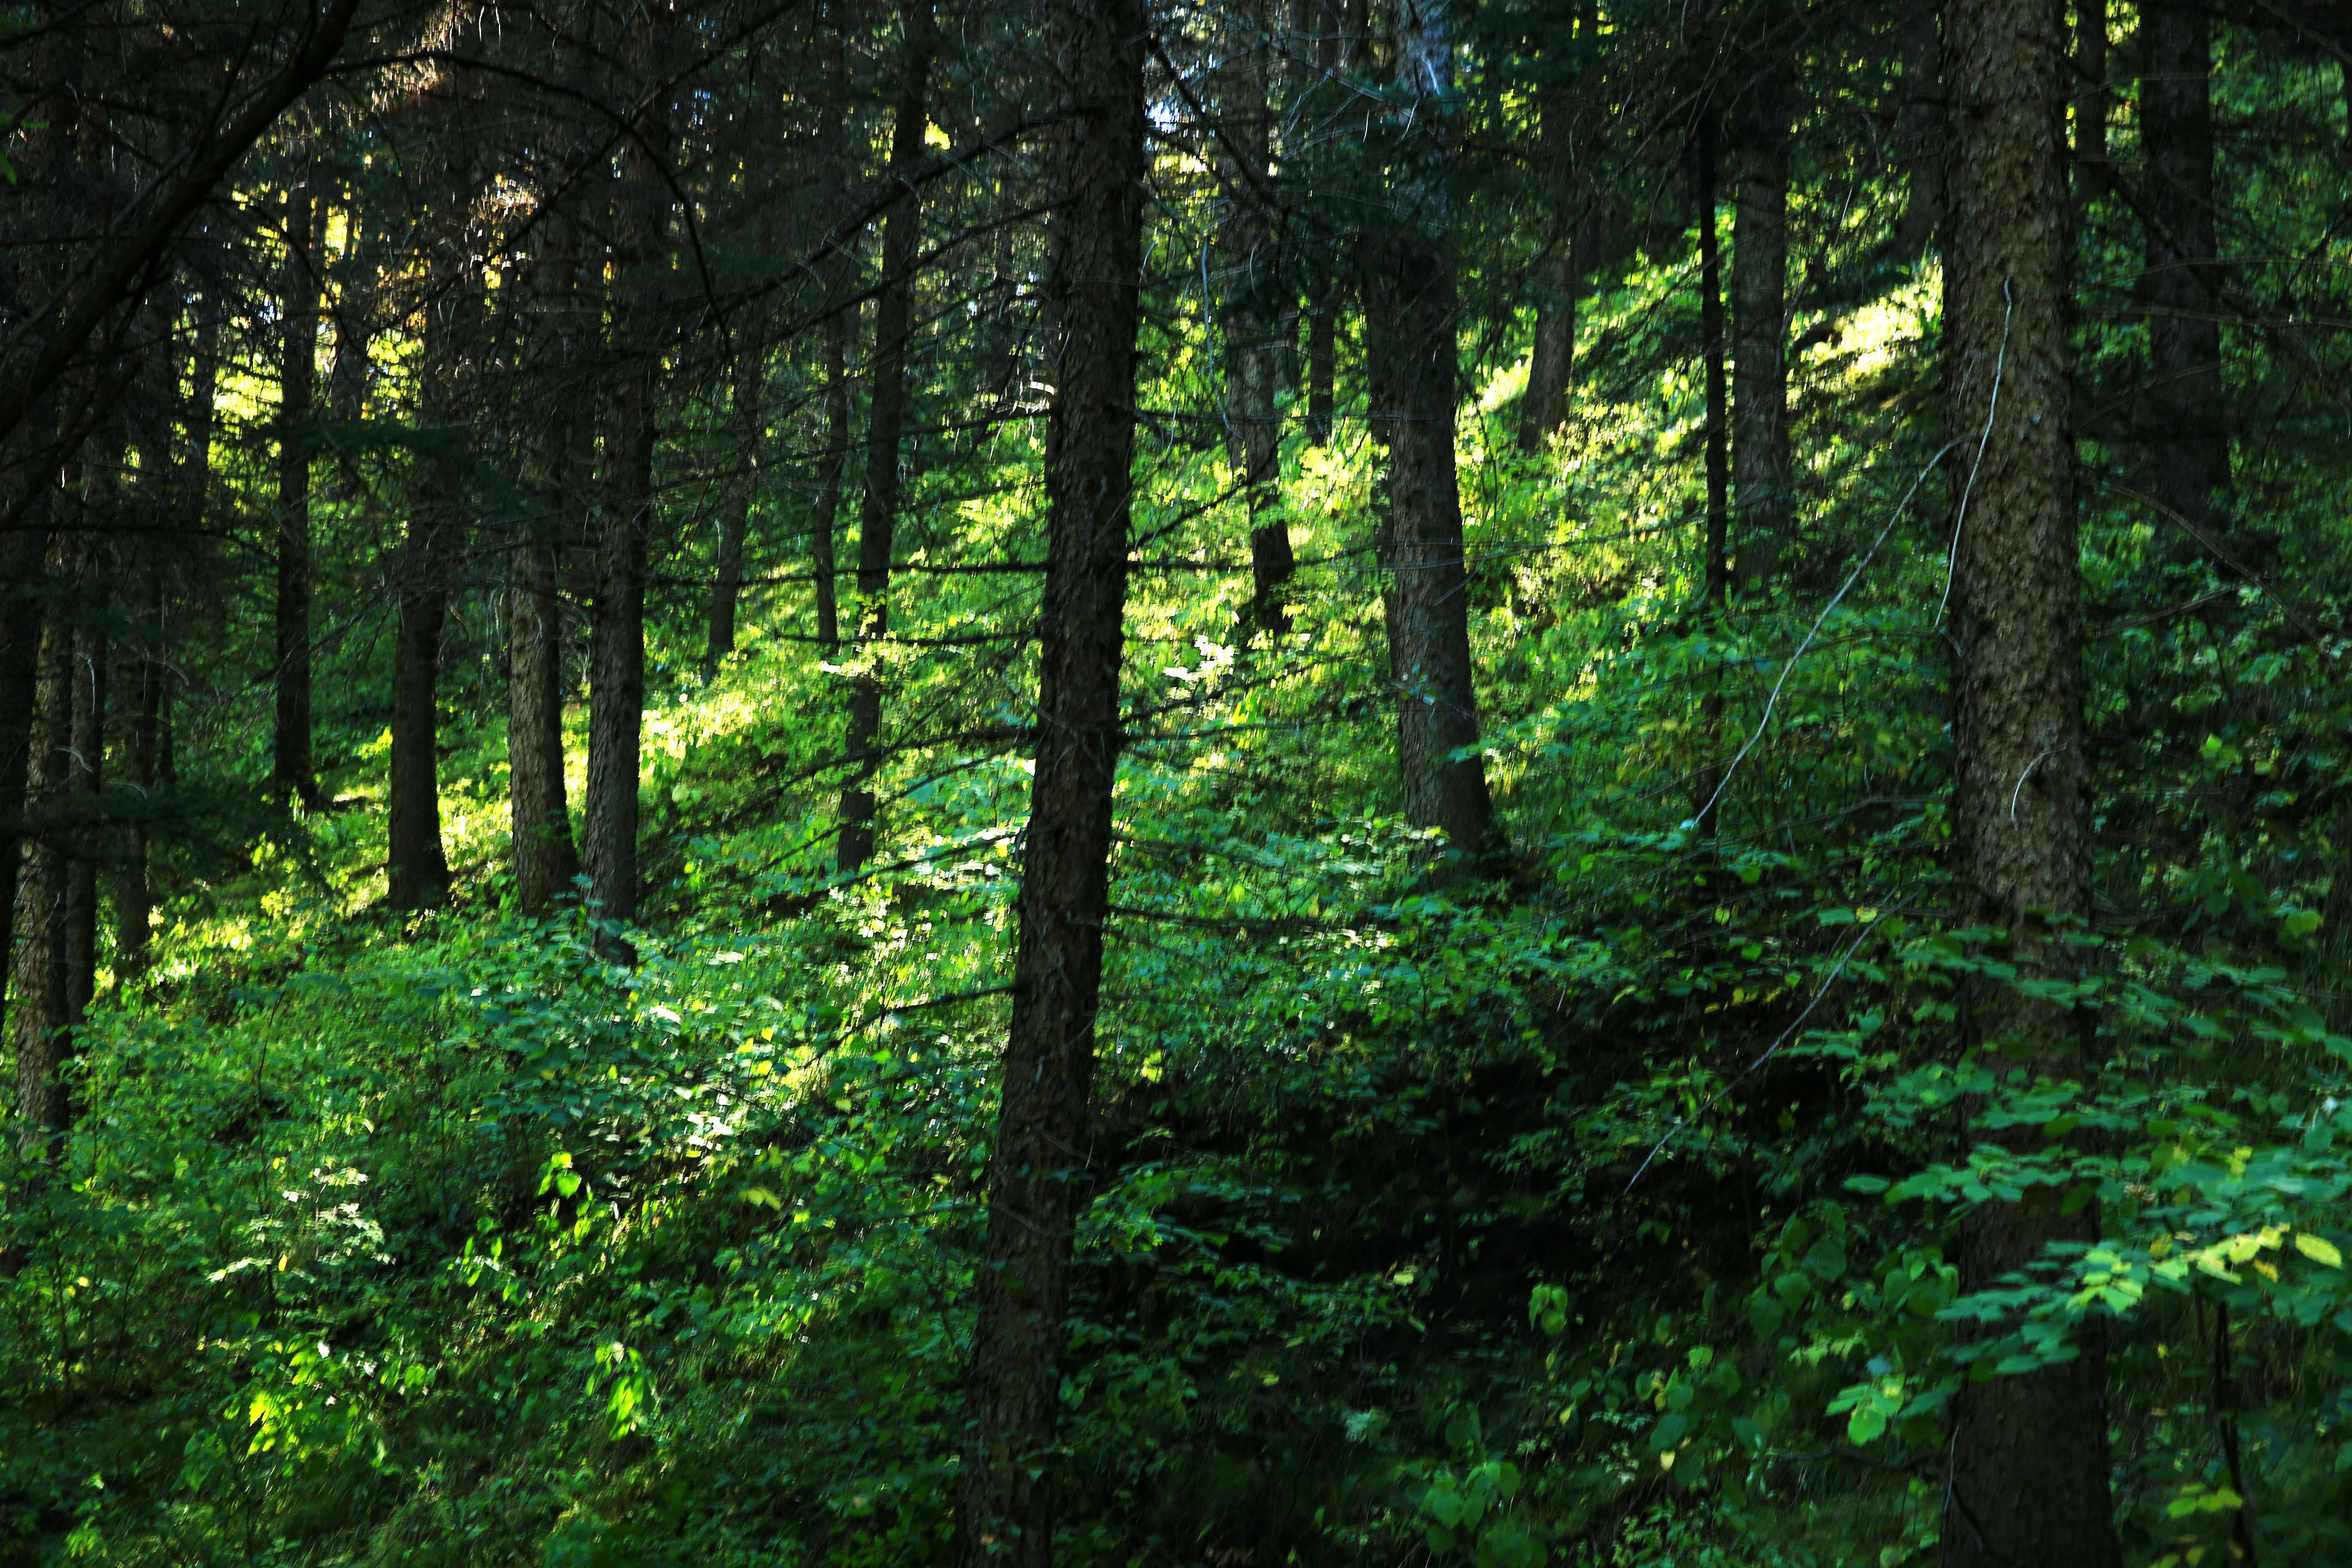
616,632
539,819
2186,411
1412,316
353,314
1004,1491
1322,361
1921,132
292,772
417,865
83,780
1254,299
20,648
1716,585
2093,172
830,464
886,422
135,903
1759,289
734,520
1543,410
39,966
2029,1464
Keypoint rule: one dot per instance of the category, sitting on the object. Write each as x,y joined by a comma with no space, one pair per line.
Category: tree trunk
417,868
1411,318
2189,436
39,966
1005,1499
1253,305
1921,132
616,630
353,312
885,420
2029,1463
1543,410
734,519
88,726
1716,587
293,773
1322,362
539,819
2093,172
20,649
823,566
1760,288
135,903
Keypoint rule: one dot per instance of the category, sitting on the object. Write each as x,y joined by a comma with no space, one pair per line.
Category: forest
1176,783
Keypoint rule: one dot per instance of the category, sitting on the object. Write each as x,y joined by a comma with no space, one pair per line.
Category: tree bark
82,783
1716,588
1921,133
1253,305
135,903
2029,1463
1543,410
1004,1496
2188,437
292,771
885,420
39,961
1759,288
538,818
20,648
734,519
822,565
1411,318
616,631
2093,172
1322,362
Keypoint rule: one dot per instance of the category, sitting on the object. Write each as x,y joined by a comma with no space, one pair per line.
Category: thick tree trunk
1543,410
83,780
2188,429
39,961
885,420
1716,587
735,517
1759,288
2029,1463
825,517
1004,1497
1411,318
293,773
616,630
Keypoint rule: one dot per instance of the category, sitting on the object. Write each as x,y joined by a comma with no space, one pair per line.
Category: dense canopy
1192,783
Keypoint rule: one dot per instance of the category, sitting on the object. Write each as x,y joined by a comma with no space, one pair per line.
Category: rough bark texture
1544,407
1759,289
2188,429
616,632
40,961
1004,1503
291,770
2028,1461
886,422
20,648
1411,318
825,517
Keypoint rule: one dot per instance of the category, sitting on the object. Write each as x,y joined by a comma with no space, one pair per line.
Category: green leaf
2318,1250
1669,1431
1866,1425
